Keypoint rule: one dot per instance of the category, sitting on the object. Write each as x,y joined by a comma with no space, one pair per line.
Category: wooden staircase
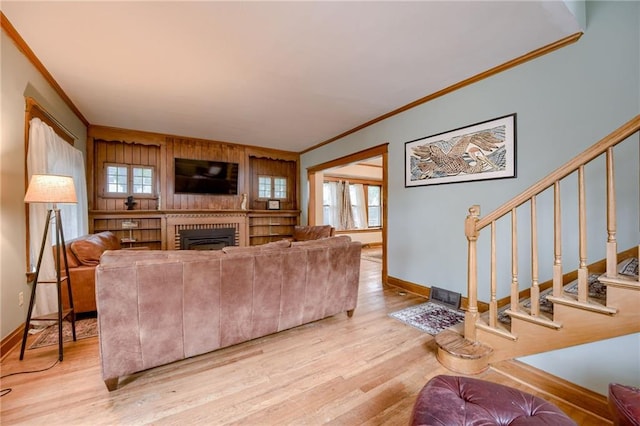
576,318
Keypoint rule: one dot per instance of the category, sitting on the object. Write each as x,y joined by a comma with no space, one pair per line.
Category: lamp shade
51,189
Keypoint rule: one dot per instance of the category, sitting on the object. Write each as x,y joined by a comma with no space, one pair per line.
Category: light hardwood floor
366,369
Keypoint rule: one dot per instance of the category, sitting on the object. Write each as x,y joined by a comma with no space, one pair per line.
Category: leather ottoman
453,400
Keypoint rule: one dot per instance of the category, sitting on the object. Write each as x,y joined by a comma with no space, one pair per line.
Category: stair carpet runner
597,290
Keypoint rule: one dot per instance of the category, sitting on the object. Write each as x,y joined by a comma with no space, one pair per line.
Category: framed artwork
273,204
481,151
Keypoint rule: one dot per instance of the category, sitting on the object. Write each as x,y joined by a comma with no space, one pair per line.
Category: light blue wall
601,367
20,79
565,101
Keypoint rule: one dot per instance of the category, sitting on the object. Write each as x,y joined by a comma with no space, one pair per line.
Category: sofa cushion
89,249
305,233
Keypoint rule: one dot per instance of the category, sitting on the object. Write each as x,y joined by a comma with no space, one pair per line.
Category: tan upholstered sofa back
157,307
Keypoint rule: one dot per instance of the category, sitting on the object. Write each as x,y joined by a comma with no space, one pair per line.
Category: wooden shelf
148,231
266,226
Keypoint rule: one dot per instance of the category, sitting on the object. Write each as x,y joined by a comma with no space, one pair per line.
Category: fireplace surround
207,239
177,222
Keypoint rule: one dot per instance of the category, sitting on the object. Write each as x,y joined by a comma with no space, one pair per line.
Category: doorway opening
368,167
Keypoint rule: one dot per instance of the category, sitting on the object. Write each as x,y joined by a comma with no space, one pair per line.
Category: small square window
117,179
279,187
126,179
264,187
142,180
272,187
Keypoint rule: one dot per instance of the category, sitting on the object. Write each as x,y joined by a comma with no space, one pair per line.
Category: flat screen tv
205,177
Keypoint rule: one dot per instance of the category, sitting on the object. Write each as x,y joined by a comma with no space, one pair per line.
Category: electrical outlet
21,298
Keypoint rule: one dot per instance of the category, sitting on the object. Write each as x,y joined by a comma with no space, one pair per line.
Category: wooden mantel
160,229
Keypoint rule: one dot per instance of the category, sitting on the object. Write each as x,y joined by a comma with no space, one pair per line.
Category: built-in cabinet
156,219
267,226
134,229
160,230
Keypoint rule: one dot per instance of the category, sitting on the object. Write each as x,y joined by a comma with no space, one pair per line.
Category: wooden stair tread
592,304
543,318
457,345
501,329
620,281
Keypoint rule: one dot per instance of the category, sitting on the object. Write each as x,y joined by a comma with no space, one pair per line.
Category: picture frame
273,204
480,151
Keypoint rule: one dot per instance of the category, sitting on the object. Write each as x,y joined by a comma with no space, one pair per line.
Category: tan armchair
83,255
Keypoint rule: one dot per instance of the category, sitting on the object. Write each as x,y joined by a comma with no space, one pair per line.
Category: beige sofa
157,307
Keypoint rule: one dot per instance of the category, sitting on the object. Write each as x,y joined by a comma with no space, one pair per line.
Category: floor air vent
450,299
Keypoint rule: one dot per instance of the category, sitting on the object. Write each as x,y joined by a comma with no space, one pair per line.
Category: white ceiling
286,75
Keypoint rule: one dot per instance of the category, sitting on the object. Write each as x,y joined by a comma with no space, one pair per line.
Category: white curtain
337,197
48,153
358,207
344,206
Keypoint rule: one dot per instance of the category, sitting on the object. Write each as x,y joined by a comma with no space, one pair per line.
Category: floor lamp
51,189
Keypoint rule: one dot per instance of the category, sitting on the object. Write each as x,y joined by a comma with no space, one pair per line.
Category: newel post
471,232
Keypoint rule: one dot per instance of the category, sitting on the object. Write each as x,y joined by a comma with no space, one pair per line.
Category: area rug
85,328
429,317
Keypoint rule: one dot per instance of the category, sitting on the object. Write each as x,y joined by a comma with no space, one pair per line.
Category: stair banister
592,152
471,231
535,289
582,238
474,224
557,241
612,245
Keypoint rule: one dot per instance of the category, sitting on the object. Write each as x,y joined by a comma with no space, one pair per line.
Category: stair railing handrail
474,223
594,151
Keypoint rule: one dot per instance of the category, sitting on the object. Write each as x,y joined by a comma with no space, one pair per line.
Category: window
125,179
142,180
117,179
364,199
279,187
374,206
272,187
329,204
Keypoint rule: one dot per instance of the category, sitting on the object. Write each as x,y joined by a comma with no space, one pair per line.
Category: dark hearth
207,239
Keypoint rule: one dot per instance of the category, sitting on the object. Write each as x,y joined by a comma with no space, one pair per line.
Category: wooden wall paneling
90,174
169,189
98,152
273,167
161,177
123,153
197,149
159,151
